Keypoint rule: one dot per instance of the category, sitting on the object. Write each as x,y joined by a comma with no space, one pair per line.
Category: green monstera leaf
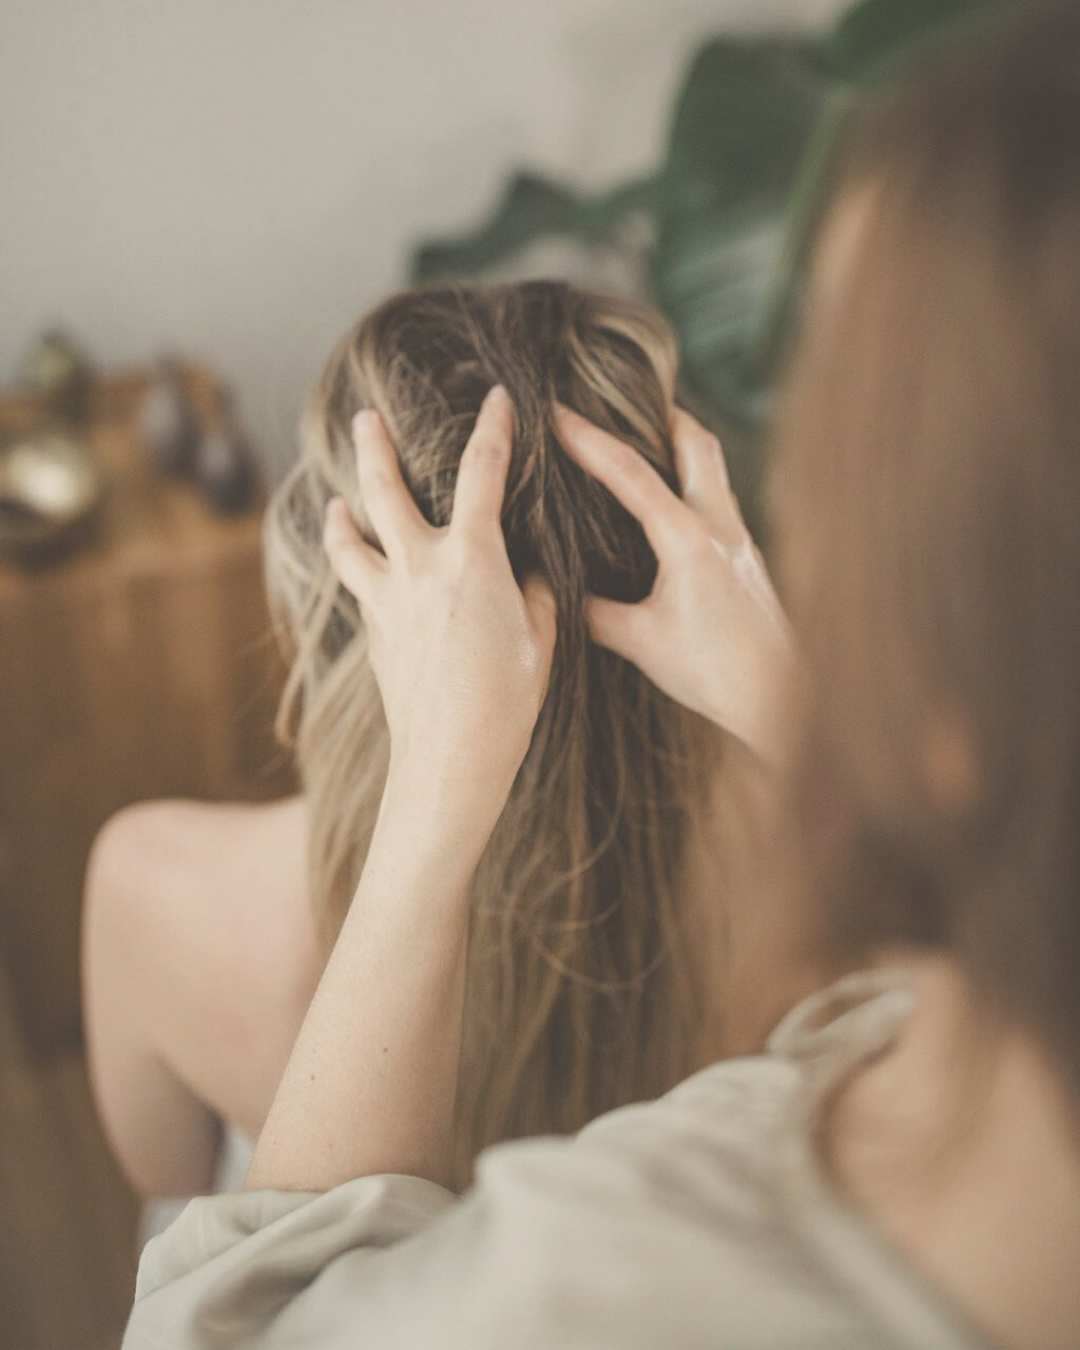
531,209
741,129
729,210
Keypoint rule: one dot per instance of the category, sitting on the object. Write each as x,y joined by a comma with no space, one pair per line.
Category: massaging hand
462,655
712,634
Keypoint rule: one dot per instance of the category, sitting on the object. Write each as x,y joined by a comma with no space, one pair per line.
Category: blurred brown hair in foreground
926,494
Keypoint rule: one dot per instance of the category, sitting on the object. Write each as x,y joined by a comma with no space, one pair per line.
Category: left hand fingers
357,565
481,481
394,514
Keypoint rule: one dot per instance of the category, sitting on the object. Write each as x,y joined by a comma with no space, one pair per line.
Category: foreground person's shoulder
698,1220
714,1136
609,1239
664,1224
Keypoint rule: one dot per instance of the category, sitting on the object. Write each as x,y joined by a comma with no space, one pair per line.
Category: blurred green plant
728,213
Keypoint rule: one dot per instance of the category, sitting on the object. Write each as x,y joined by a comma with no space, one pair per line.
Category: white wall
240,179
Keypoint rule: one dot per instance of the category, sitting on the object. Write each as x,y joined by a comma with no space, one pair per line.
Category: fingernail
495,396
365,420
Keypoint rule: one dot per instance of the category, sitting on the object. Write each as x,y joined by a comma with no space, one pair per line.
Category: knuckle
712,451
627,462
624,633
463,553
378,483
695,541
333,542
469,536
642,633
701,441
418,554
704,440
731,521
408,557
485,451
638,637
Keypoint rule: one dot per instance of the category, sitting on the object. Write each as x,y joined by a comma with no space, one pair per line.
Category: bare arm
371,1081
462,656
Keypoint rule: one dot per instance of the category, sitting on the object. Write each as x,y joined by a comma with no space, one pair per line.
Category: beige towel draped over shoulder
700,1220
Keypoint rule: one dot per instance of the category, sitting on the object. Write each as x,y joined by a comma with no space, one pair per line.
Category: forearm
763,713
371,1082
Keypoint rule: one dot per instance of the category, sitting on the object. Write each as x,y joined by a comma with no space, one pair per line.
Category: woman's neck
962,1147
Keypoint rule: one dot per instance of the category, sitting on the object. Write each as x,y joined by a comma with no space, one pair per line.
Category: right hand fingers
618,627
631,480
703,477
667,519
540,607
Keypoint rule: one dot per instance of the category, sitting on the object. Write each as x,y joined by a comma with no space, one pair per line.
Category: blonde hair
580,993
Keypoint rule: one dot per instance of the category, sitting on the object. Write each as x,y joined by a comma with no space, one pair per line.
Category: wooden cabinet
140,667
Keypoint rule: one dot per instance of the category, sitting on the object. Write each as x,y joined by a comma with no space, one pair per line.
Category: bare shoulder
216,877
213,899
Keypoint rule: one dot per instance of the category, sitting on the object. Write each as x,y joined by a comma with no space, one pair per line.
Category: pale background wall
240,179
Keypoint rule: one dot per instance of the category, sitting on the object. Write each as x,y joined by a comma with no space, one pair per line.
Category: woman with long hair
900,1164
596,923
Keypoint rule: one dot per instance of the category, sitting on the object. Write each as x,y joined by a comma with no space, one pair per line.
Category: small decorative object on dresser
50,489
224,466
167,421
206,444
59,374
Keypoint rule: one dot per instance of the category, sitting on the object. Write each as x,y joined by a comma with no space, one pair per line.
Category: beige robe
702,1221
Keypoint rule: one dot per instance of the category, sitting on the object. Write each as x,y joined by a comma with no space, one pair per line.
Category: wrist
426,844
760,715
444,802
